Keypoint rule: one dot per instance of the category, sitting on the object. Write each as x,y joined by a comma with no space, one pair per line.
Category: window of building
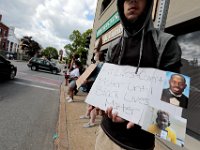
8,42
104,5
188,37
5,33
11,46
4,45
190,45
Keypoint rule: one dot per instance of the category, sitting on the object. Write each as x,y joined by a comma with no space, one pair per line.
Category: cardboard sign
135,96
128,93
85,75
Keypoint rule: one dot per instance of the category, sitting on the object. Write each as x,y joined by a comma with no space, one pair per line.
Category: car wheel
12,74
54,71
33,68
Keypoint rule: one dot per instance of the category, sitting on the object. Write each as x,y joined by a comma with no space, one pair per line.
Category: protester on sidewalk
91,111
142,46
73,76
74,58
70,67
99,60
66,72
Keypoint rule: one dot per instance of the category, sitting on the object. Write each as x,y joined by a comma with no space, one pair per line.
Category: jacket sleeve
111,52
108,54
171,58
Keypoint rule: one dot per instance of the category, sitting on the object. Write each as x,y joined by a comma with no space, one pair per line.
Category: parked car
7,70
43,64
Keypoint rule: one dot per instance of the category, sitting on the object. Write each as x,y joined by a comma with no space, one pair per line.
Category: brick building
3,35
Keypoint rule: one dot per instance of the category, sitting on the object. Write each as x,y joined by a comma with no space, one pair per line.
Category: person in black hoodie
140,45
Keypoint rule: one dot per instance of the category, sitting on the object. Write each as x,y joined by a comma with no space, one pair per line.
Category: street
29,108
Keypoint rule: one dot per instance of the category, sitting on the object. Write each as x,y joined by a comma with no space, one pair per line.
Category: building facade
3,35
12,41
183,20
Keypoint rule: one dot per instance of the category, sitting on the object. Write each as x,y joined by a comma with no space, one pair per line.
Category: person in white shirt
73,76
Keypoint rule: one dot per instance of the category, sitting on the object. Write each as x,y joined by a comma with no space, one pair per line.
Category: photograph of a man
162,127
174,94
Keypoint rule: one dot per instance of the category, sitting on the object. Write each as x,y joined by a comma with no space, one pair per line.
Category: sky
49,22
190,47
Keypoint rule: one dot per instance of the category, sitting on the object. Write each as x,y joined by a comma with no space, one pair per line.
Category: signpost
114,19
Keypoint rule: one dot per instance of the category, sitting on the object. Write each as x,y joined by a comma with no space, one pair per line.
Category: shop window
190,45
104,5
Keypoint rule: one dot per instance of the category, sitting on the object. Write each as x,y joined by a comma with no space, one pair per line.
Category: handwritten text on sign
128,93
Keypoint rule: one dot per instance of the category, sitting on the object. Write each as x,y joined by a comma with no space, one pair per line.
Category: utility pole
161,14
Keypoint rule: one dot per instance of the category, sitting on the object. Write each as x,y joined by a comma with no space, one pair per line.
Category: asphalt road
29,110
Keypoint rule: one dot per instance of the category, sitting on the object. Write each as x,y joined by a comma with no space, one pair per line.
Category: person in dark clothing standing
140,45
174,94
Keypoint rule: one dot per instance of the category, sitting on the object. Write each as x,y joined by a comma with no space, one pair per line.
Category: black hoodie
141,46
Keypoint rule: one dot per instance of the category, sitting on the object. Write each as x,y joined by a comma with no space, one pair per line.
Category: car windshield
53,63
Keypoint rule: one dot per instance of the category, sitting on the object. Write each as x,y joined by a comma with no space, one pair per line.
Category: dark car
7,70
43,64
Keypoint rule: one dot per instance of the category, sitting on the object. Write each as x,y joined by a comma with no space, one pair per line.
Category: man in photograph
174,94
162,127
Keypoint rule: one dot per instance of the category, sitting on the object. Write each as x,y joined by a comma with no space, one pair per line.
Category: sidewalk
71,134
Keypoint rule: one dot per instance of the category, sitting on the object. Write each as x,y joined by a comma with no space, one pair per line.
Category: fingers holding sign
115,118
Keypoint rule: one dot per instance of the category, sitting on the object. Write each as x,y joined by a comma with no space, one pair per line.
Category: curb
61,143
70,132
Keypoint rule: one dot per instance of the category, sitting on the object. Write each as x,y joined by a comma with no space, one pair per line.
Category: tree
30,46
50,52
77,46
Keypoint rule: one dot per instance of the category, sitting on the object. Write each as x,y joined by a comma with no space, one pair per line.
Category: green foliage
50,52
30,46
77,45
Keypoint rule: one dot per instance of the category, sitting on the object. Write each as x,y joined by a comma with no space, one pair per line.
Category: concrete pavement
71,134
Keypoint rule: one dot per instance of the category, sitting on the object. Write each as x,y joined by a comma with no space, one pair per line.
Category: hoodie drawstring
122,50
141,51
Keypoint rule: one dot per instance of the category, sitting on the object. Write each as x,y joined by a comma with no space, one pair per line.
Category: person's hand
129,125
115,118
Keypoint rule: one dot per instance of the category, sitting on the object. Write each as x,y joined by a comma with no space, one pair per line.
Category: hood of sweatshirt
144,21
